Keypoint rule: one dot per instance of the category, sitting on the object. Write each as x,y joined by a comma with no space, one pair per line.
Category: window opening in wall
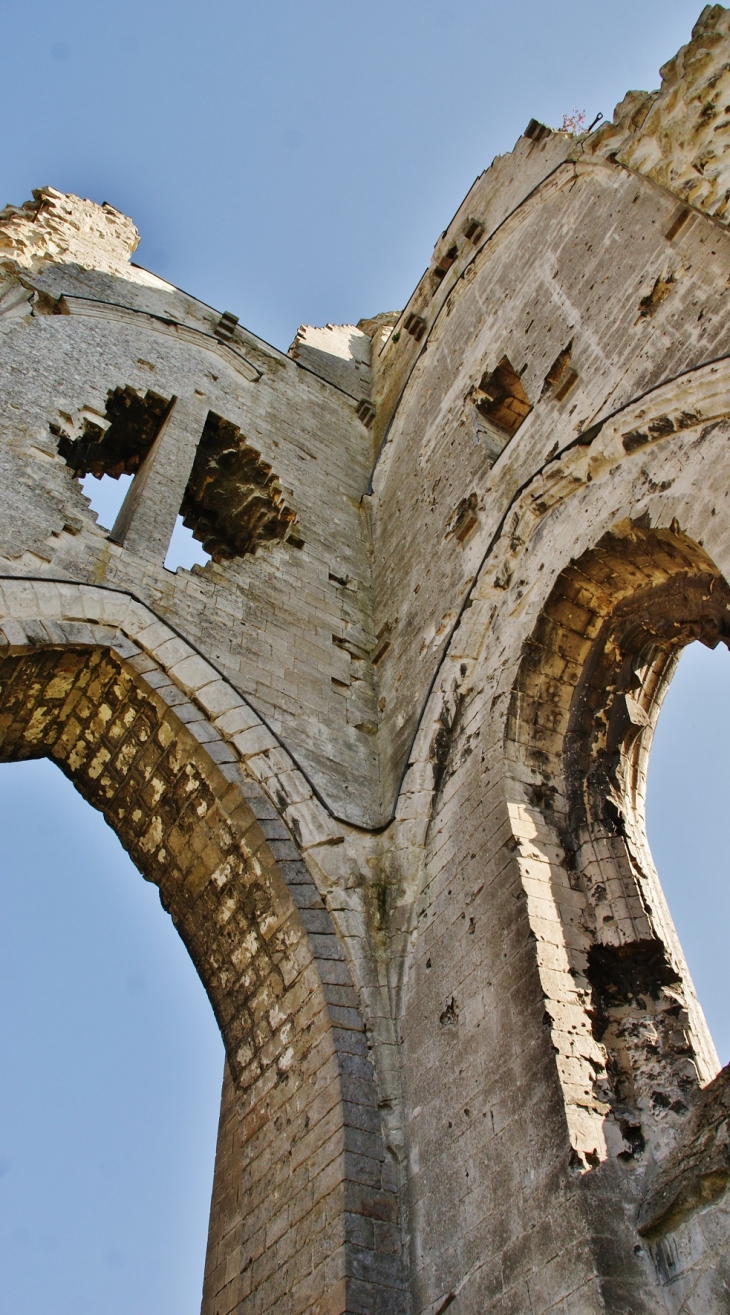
185,550
234,503
687,809
625,610
106,451
111,1072
116,443
106,496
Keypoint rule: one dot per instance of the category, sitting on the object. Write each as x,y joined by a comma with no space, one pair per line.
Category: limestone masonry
385,754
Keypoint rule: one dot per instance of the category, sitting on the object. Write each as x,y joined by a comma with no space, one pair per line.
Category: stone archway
627,512
632,1045
304,1210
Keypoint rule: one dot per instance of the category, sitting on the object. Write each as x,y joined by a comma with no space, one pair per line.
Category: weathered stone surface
338,352
55,228
386,756
675,136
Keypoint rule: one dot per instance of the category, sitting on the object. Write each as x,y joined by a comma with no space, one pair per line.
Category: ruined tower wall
500,895
457,552
279,624
595,296
627,435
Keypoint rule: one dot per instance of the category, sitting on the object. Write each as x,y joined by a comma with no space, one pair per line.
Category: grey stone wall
457,551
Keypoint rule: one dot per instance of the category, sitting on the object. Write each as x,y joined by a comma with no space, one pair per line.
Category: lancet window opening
583,713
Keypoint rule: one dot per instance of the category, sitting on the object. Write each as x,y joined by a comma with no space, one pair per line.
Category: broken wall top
57,228
679,136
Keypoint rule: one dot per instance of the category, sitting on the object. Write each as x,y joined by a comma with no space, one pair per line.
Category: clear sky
292,161
688,809
111,1070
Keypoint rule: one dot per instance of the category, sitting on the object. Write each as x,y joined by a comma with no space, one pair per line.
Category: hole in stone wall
184,549
233,503
649,304
688,801
561,376
116,443
106,496
106,451
445,263
501,398
416,326
111,1073
464,519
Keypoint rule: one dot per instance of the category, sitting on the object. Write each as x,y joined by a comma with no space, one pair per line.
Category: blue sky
111,1070
296,160
293,162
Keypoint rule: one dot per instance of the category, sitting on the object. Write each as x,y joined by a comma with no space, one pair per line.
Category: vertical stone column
147,516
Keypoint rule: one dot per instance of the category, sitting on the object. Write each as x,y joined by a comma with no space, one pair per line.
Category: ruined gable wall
288,625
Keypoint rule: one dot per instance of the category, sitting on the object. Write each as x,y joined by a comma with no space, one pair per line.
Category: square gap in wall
106,496
184,550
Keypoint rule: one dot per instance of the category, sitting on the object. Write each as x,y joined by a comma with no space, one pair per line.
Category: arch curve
305,1205
632,1043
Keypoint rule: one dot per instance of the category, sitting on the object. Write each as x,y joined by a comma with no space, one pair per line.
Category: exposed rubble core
675,135
386,754
233,502
117,443
55,228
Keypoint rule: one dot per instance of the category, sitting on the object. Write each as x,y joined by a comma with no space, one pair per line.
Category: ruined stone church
385,754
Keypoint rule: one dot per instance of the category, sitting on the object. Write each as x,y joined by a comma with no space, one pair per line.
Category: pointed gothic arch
583,711
304,1202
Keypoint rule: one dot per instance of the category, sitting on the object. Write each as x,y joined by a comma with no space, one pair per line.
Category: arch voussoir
305,1202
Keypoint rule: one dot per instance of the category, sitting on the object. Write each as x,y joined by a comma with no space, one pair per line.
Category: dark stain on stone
649,305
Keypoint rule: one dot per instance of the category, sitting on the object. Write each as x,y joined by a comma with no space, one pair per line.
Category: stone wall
385,755
282,624
305,1203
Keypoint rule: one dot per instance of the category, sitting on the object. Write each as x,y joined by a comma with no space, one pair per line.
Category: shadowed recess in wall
501,398
233,502
117,443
